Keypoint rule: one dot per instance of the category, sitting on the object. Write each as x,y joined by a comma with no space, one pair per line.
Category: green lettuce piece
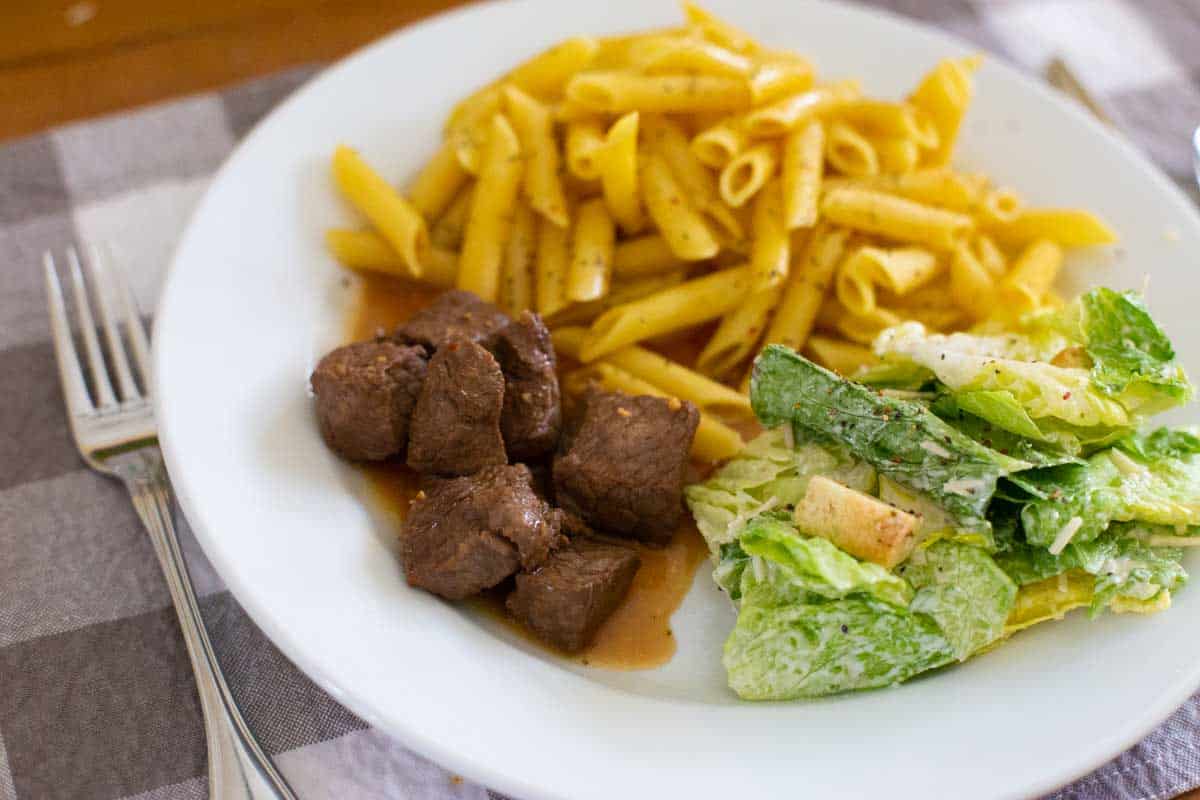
814,649
960,587
901,439
1017,445
793,568
769,472
1117,484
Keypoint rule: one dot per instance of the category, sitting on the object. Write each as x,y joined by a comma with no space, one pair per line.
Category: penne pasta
552,264
849,152
1069,227
621,292
864,328
770,255
645,255
844,358
972,286
988,254
489,223
893,120
714,440
999,206
437,184
669,376
367,250
448,229
592,253
618,92
738,334
392,215
535,131
897,155
1031,277
547,73
944,94
719,144
801,170
668,139
618,173
777,77
677,220
658,54
717,30
868,268
745,175
585,139
516,277
806,288
782,116
469,126
671,310
896,218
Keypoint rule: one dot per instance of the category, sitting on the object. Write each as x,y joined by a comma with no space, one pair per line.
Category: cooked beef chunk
565,601
464,535
623,469
532,415
454,315
365,396
455,428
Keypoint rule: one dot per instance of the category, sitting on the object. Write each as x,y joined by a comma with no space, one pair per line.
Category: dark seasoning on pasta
712,242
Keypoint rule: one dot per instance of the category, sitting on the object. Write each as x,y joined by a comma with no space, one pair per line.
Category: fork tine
102,284
74,388
87,328
135,331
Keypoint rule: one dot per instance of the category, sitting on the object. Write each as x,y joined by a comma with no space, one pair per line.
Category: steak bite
577,588
532,416
623,468
365,393
455,428
454,315
464,535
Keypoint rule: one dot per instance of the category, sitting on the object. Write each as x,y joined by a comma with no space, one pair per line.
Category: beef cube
455,428
532,417
365,394
464,535
454,315
579,586
623,469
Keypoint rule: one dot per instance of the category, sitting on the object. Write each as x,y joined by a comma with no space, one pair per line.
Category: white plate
252,300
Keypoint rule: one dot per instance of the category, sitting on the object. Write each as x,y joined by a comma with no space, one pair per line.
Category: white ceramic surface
252,300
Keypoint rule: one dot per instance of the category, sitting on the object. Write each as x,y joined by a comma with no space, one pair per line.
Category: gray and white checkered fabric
96,696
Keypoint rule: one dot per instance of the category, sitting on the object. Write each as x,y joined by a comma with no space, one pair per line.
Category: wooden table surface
61,61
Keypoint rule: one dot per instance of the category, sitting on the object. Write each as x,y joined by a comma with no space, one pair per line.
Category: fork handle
238,769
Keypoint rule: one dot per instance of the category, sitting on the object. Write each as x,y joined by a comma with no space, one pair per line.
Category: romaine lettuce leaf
1000,438
792,568
960,587
901,439
815,649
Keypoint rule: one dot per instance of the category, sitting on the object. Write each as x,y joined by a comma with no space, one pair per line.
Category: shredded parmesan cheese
1065,535
1174,541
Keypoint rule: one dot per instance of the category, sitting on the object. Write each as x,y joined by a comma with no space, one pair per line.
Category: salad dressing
638,634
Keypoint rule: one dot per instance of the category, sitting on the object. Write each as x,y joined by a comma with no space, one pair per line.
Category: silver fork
117,436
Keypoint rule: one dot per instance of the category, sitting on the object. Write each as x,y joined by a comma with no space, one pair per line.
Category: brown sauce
638,634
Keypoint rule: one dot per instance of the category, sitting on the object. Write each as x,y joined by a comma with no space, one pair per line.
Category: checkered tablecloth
96,696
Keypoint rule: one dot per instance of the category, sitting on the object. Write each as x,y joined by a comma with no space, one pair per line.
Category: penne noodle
714,441
516,278
849,152
448,229
620,293
437,184
778,77
658,54
547,73
668,139
892,120
489,223
618,92
616,51
844,358
592,253
999,206
807,287
670,376
470,124
618,173
645,255
864,328
785,115
717,30
867,268
677,220
943,95
972,286
671,310
896,218
1032,275
1069,227
801,170
585,139
936,187
719,144
746,174
988,254
367,250
392,215
897,155
535,131
771,253
552,264
738,334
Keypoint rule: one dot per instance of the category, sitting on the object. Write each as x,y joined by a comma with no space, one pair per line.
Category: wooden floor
61,61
